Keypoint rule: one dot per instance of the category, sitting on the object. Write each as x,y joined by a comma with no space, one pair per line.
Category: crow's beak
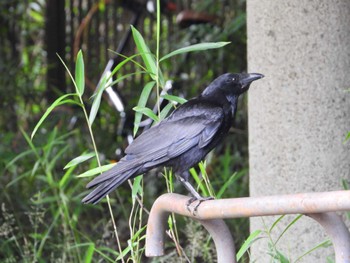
250,77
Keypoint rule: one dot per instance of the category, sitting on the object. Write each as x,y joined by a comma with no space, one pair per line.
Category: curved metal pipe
338,232
157,221
316,205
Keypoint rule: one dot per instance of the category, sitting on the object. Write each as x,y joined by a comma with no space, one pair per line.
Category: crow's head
231,83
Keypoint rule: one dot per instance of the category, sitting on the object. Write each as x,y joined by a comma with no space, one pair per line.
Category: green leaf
79,74
195,47
142,103
173,98
96,170
246,245
136,188
147,56
165,111
148,112
56,103
347,137
79,159
97,100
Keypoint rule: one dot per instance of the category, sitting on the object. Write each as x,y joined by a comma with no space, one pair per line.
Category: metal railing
319,206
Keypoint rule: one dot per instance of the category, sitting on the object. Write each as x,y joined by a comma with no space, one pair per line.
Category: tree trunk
55,44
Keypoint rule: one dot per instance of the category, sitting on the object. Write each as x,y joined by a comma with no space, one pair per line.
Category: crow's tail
106,183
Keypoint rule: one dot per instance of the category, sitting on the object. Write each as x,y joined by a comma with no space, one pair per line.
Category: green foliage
273,250
41,202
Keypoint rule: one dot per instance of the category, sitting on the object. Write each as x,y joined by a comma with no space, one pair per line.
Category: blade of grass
126,76
230,181
247,243
287,227
194,48
79,73
67,175
89,253
276,222
127,59
56,103
199,181
324,244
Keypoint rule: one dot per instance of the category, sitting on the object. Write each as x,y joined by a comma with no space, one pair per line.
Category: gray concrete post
299,113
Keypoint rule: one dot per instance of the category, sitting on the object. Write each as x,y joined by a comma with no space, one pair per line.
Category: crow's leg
196,196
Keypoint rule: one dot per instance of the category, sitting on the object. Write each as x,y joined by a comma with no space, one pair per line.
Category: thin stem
114,227
99,165
157,57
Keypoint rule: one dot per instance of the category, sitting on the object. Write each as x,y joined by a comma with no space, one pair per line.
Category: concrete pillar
300,113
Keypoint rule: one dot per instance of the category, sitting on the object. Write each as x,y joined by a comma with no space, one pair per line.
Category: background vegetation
42,218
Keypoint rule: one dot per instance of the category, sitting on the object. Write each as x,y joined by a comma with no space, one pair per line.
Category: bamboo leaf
194,48
142,103
97,100
56,103
96,170
148,112
147,56
79,74
80,159
165,111
173,98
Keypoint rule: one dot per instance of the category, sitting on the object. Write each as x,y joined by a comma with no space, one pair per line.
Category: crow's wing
180,132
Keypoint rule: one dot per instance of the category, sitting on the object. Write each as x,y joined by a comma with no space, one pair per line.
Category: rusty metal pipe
157,221
338,232
224,244
304,203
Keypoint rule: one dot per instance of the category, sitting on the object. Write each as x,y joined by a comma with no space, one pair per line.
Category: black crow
181,140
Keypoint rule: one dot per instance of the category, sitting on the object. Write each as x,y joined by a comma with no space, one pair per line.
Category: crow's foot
199,200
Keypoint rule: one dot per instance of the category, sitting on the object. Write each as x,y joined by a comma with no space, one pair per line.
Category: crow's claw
195,208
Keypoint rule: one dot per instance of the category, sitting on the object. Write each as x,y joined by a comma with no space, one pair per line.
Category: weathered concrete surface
299,114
